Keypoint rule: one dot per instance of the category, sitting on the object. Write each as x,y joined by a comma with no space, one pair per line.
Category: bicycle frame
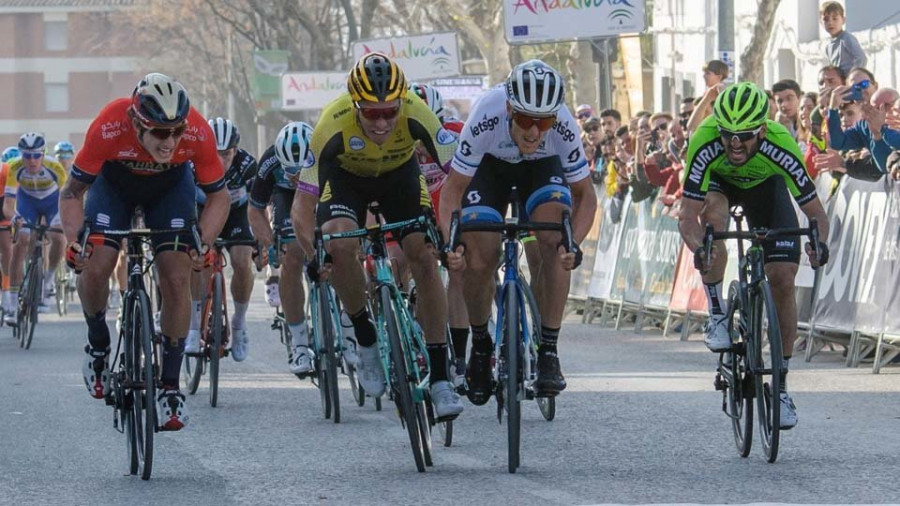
512,286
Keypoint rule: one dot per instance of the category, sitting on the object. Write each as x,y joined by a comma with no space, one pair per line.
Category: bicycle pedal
194,354
444,419
304,375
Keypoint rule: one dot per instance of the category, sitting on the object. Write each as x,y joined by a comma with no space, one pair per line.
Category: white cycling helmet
292,144
535,88
160,101
227,135
31,141
431,96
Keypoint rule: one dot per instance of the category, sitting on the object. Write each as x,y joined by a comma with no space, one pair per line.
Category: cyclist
737,156
138,152
240,171
519,134
7,298
32,191
65,154
275,182
435,175
363,151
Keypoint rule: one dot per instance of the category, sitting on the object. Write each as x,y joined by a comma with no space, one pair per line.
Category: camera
856,91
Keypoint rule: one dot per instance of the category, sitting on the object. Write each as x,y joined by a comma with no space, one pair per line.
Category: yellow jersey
40,184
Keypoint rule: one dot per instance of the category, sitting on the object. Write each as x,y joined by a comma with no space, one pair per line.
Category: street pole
726,36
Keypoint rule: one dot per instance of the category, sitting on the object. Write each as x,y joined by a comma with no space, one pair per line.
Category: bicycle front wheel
28,305
767,364
60,283
141,384
216,329
401,380
330,356
511,343
738,383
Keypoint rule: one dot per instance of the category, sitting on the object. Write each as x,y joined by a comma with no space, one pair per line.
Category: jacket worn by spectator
845,52
859,136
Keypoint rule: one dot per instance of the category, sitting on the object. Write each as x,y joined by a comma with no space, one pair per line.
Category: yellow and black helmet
376,78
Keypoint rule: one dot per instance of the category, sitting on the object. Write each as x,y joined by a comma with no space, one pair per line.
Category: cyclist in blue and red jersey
139,152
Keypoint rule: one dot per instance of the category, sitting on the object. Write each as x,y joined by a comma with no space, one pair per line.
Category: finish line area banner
641,267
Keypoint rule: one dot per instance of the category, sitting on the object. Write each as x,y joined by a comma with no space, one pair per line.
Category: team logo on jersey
556,180
574,155
356,143
465,148
326,192
485,125
310,160
444,137
473,197
129,153
424,196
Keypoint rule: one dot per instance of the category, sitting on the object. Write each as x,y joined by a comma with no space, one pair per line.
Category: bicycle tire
424,424
401,378
768,404
28,313
513,405
357,390
378,403
739,389
445,429
143,398
319,376
59,282
331,359
123,400
547,405
216,327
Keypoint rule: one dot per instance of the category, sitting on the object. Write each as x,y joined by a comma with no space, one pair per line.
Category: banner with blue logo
534,21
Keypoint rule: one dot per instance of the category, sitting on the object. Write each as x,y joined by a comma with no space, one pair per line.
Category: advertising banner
425,56
687,292
265,81
534,21
311,90
607,252
581,277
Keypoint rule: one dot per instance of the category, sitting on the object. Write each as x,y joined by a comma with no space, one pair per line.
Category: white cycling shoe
301,360
240,344
369,371
273,296
718,339
447,404
192,343
788,411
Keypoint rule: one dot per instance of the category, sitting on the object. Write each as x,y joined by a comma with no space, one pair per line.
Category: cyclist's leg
238,228
57,247
5,257
715,212
27,208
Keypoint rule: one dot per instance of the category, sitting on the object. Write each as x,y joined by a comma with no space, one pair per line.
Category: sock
122,294
299,333
51,275
549,338
363,328
784,371
98,331
4,282
714,297
437,353
481,339
195,314
171,363
238,319
460,339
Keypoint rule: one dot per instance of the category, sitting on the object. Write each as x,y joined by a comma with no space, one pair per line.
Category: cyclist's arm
71,207
214,214
263,185
815,209
9,206
259,223
303,217
584,208
689,223
451,197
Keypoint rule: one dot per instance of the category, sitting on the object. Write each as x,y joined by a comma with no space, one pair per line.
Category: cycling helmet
740,107
292,144
227,135
10,153
32,141
160,101
431,96
64,147
535,88
376,78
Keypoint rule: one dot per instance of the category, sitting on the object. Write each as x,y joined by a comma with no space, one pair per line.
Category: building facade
60,63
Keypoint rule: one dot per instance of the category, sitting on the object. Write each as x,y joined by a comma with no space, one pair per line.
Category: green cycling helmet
740,107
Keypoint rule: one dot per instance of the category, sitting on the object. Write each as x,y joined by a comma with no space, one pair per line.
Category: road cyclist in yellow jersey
32,192
364,151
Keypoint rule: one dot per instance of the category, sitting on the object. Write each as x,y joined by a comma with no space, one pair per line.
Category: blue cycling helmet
64,148
10,153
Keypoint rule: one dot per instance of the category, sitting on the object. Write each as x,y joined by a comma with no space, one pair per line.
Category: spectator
714,73
773,109
684,111
843,50
787,100
610,121
868,131
591,131
807,106
583,113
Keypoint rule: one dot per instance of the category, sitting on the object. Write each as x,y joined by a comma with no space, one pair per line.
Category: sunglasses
686,114
373,114
583,115
525,121
591,129
164,133
31,156
743,136
664,126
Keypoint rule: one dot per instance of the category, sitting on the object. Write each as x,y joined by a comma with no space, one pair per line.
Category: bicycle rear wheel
511,357
216,328
738,384
194,365
767,362
401,379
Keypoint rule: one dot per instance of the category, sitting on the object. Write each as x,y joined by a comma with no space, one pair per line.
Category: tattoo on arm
73,189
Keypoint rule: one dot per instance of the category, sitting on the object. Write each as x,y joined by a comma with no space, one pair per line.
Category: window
56,35
56,97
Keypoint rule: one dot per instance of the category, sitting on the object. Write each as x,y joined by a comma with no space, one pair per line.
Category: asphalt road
639,423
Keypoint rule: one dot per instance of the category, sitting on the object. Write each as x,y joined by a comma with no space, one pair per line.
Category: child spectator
843,50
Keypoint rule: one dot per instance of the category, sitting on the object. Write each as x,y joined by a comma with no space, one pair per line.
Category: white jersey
487,133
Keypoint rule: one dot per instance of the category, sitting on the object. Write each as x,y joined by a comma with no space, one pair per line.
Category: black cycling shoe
550,381
479,380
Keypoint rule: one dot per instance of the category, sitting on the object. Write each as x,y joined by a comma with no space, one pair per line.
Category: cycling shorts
31,208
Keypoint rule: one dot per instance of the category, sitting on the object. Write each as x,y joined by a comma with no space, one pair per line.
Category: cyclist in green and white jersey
739,157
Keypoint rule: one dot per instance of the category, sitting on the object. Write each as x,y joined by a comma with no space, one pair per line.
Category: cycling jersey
238,179
778,155
338,140
272,175
111,143
435,173
44,182
487,131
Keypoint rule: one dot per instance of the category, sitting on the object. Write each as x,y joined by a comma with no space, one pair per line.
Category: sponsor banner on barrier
649,252
856,285
581,277
425,56
687,291
607,253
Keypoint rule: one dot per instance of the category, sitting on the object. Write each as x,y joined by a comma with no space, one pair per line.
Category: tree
752,57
